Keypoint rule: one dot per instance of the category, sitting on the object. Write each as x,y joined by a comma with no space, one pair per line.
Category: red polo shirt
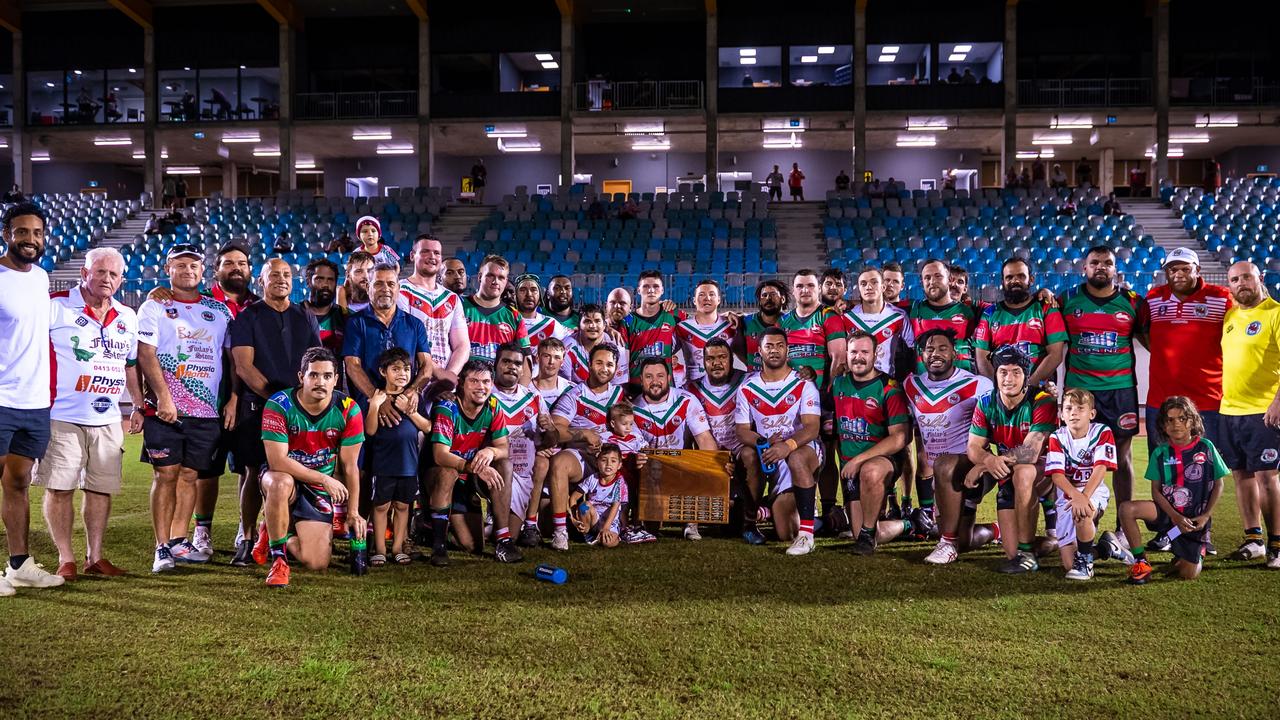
1186,344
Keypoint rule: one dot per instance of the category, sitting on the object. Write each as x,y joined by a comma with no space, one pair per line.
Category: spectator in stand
1137,182
953,77
15,195
1037,173
595,211
796,181
774,182
153,226
1212,175
629,210
1067,208
968,78
1084,173
1112,206
1057,179
167,191
1024,180
189,109
1011,178
842,182
343,244
180,196
478,176
282,244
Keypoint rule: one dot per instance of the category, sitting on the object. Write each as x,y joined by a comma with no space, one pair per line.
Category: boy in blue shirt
391,452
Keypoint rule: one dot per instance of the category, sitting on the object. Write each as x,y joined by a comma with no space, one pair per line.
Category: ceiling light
305,165
395,150
826,49
371,135
543,57
790,141
40,156
1174,152
182,170
917,141
266,152
48,84
535,146
249,137
187,69
140,154
926,124
1052,140
112,141
780,129
1,86
1027,155
500,133
1189,139
890,49
550,65
956,57
1084,123
746,52
653,142
887,58
4,143
133,70
962,48
78,72
747,61
808,58
649,128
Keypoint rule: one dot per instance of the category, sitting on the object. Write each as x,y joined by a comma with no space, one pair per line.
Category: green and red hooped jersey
652,336
752,329
314,441
1100,334
463,435
807,338
1031,329
959,317
1007,427
865,410
490,328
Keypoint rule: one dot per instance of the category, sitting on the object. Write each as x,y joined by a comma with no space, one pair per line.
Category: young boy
1080,455
1186,475
620,431
599,503
392,455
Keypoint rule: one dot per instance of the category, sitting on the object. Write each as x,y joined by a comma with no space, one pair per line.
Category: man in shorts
529,430
312,435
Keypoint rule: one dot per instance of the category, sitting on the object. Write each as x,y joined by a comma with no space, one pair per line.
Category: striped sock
806,526
1253,534
204,521
278,548
949,537
532,519
503,533
561,520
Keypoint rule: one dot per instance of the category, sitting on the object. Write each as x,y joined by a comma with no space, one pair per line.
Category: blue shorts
24,432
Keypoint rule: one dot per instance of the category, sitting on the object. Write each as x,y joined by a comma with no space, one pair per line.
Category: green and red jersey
1008,427
651,336
1031,329
1187,475
489,328
1101,330
959,317
807,337
465,436
752,329
865,410
314,440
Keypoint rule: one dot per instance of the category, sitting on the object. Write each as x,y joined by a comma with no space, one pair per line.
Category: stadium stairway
68,273
1166,229
453,229
800,243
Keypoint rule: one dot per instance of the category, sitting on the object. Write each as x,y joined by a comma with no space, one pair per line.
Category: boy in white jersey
779,406
1079,457
529,428
601,499
696,332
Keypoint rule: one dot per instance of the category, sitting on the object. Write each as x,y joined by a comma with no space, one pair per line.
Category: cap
184,250
1183,255
232,246
527,276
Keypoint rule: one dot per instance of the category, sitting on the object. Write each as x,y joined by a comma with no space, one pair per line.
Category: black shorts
1118,410
972,497
853,488
1189,547
310,504
797,190
190,442
246,439
24,432
1248,444
222,455
775,192
394,488
466,495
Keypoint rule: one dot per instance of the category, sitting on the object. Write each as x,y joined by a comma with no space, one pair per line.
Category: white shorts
783,483
521,489
85,457
1067,525
602,511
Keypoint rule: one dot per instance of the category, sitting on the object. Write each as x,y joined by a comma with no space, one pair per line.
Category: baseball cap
232,246
1183,255
183,250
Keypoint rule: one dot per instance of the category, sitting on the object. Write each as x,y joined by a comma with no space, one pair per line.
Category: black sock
869,533
439,529
1050,509
827,505
15,561
804,502
1085,548
924,488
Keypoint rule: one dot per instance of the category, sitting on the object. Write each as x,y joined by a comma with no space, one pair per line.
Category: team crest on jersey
1128,421
330,434
1254,328
953,399
957,319
1111,452
1194,472
1181,497
1123,317
1200,458
1035,324
82,322
504,328
171,313
1199,310
207,316
1078,312
1269,455
121,329
871,403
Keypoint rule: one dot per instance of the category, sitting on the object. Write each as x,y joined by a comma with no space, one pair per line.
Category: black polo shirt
278,339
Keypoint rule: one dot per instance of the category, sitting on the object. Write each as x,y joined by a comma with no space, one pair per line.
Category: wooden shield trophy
685,486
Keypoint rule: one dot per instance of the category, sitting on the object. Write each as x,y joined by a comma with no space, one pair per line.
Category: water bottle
359,556
768,468
551,574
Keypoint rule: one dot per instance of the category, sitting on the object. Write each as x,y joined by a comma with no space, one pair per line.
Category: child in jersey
391,453
600,502
1080,455
1186,475
621,431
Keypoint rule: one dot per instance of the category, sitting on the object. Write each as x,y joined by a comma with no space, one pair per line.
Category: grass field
669,630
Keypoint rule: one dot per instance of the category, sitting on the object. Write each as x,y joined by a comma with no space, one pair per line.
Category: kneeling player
1186,475
1080,455
872,426
310,433
599,505
1016,420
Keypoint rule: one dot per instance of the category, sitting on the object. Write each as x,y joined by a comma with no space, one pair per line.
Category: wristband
794,445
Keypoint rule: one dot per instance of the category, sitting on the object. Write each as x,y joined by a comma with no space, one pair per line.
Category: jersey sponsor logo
1123,317
82,321
1254,328
102,404
171,313
1128,421
206,316
99,385
1099,342
1194,472
1269,455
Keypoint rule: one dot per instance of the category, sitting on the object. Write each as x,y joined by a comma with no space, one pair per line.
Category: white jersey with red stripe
662,423
693,337
719,402
89,359
884,326
550,396
440,310
1077,457
519,408
629,444
587,410
943,409
577,363
775,408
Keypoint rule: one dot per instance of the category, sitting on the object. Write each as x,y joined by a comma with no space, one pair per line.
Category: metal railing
351,105
606,96
1224,91
1085,92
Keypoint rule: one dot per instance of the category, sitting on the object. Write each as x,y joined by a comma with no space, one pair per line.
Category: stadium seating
76,221
1239,222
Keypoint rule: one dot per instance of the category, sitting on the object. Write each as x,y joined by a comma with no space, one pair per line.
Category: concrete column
152,164
1161,91
20,145
230,179
711,103
859,90
1107,171
288,179
1009,146
426,153
567,49
288,175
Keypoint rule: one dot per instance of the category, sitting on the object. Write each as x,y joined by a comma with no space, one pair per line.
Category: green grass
669,630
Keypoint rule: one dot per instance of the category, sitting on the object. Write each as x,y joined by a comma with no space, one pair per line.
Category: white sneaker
33,575
691,532
163,561
202,541
1273,559
943,553
560,539
6,589
186,552
803,544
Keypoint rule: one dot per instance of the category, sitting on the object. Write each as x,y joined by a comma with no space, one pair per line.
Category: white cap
1182,255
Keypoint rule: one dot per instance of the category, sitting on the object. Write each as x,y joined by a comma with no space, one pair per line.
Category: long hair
1188,408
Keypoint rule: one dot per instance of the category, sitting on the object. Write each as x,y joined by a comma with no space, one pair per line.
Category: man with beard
664,413
268,340
873,426
490,322
231,273
893,282
1250,422
581,416
371,332
529,430
539,327
1035,329
650,330
942,399
438,308
833,289
353,296
707,324
943,308
779,406
619,306
560,301
322,290
25,398
811,329
582,343
455,276
771,301
1103,320
717,389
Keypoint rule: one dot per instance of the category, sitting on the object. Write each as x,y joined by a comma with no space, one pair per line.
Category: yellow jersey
1250,358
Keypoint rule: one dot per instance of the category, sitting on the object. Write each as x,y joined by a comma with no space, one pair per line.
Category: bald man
268,340
618,306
